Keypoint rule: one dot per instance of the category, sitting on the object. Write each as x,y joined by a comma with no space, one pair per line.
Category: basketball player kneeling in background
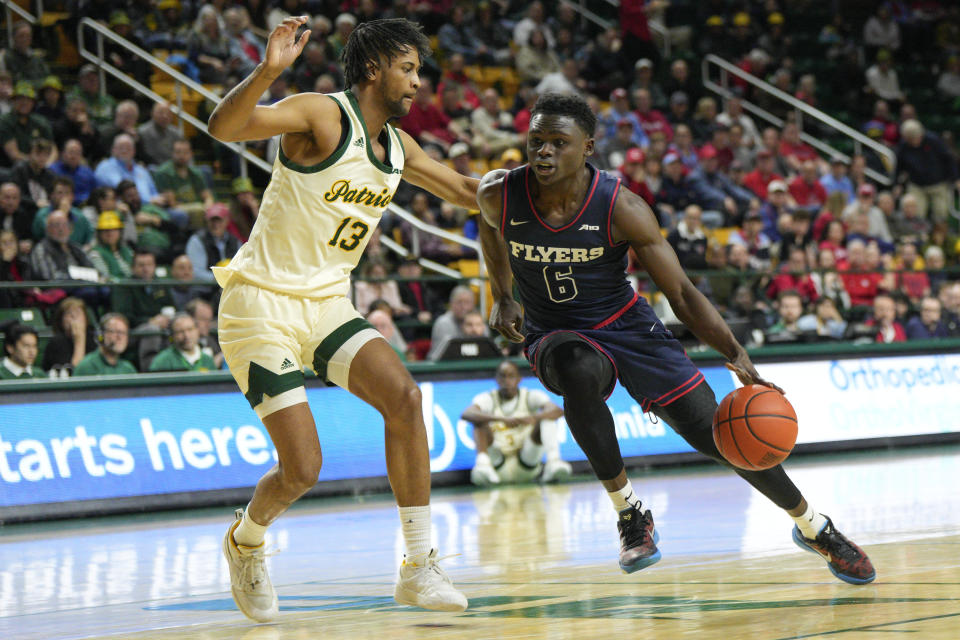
513,427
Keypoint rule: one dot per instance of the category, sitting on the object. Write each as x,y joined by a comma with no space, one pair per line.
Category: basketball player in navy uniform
563,229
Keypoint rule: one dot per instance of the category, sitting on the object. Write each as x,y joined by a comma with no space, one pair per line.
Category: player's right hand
507,318
283,47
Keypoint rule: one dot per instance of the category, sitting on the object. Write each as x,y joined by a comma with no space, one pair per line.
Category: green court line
873,627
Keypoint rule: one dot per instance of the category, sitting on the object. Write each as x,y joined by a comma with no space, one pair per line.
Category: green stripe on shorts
262,381
330,344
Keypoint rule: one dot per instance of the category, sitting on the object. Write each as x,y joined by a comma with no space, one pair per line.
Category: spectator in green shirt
20,345
100,106
61,199
155,226
21,61
144,304
114,337
21,126
185,353
183,184
110,256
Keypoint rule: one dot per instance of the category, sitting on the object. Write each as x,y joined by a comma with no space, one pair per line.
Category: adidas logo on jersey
589,227
286,364
358,142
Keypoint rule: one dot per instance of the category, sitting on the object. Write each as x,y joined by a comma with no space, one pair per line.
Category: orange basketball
755,427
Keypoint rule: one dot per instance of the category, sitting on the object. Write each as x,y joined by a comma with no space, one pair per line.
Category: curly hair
573,106
380,41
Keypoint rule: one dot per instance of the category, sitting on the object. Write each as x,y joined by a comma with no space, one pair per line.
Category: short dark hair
123,185
380,40
573,106
15,332
66,181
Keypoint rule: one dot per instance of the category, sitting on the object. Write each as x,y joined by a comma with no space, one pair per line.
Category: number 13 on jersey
353,241
561,286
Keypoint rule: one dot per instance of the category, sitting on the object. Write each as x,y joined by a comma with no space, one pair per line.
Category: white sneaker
483,474
422,583
556,470
249,582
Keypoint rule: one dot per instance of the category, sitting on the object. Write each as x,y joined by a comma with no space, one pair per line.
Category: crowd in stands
99,186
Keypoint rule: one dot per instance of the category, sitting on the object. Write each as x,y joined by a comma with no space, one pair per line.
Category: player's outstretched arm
634,222
437,178
238,117
506,316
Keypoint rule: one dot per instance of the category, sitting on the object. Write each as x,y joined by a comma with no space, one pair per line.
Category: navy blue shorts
647,360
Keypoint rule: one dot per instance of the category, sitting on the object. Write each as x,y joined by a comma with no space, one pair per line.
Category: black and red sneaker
846,560
638,540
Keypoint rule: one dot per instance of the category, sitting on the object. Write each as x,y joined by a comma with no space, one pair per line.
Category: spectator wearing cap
929,170
459,155
20,353
100,107
244,208
760,178
50,105
183,185
882,79
610,150
122,165
72,165
23,63
650,119
511,159
688,239
805,188
733,114
32,175
643,78
634,174
679,113
866,204
774,39
928,325
757,243
675,193
713,39
492,126
111,257
776,210
837,179
20,127
158,135
212,246
618,111
61,199
742,35
715,192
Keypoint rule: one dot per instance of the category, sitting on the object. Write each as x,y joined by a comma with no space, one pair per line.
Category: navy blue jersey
569,277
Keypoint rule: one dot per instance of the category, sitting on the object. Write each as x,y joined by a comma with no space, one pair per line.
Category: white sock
416,529
249,533
810,522
624,498
483,460
549,436
531,452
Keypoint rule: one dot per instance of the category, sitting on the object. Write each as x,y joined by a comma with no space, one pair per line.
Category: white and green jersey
527,402
315,221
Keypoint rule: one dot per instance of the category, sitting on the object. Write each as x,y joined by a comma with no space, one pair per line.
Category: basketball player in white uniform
512,427
284,302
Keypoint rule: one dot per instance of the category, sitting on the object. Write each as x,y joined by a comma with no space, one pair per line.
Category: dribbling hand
283,47
743,367
506,316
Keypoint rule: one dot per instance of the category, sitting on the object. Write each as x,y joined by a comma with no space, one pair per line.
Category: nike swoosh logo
517,223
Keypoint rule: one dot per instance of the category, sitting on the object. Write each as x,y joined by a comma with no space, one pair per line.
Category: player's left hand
743,367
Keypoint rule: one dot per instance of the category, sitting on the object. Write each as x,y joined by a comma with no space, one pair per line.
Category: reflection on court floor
536,562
